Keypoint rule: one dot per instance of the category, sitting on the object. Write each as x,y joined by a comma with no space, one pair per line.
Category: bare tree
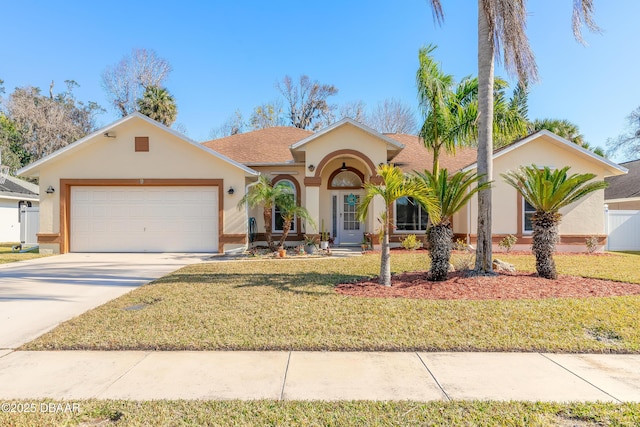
232,126
126,81
393,116
629,142
267,115
47,123
307,102
354,110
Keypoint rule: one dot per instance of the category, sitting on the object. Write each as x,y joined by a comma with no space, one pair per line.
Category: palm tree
567,130
452,194
289,210
450,110
158,104
394,186
548,191
264,194
501,31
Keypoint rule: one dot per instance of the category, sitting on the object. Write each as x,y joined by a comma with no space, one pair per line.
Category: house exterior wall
579,220
9,223
169,158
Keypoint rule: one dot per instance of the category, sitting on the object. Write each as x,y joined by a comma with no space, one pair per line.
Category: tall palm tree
548,191
289,210
567,130
452,194
501,31
394,186
264,194
449,109
158,104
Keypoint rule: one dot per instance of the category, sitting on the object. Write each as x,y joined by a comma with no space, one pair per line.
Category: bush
411,242
464,259
508,242
592,244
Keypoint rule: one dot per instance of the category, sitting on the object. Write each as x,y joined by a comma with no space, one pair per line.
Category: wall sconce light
230,191
344,167
109,134
50,190
311,168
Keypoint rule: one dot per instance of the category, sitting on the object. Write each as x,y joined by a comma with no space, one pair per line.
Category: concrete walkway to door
36,295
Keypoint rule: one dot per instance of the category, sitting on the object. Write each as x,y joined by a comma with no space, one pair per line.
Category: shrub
508,242
411,242
464,259
592,244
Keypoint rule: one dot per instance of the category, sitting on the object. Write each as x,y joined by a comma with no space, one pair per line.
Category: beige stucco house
138,186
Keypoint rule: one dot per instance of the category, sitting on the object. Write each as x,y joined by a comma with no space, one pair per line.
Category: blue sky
229,55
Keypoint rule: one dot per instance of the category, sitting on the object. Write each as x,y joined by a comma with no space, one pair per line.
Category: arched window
277,221
350,178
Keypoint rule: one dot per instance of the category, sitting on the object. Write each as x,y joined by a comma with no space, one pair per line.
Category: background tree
233,125
264,194
35,125
501,33
451,193
307,102
126,81
355,110
548,192
629,142
266,115
393,116
510,121
12,151
394,186
158,104
567,130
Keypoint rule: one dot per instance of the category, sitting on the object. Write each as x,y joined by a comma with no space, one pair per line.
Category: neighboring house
623,192
14,193
138,186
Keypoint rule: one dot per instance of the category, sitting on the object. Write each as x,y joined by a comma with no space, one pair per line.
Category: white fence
29,225
623,230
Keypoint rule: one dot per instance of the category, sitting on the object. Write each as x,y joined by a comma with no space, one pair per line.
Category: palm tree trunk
286,227
545,236
385,257
440,242
267,214
485,140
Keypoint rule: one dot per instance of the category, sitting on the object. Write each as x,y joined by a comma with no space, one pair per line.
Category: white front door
349,230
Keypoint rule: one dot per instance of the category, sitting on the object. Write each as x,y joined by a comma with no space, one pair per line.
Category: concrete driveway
36,295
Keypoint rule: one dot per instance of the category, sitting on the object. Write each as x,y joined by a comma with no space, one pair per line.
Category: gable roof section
391,144
16,188
613,168
624,186
260,147
33,168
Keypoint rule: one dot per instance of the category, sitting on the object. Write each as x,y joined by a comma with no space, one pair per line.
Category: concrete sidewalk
298,375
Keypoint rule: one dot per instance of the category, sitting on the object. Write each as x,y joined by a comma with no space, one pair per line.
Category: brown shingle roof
269,145
624,186
416,157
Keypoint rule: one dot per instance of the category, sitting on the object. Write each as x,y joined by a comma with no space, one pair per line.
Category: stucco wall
169,157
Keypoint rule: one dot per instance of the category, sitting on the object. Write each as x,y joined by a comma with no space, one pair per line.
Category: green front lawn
6,255
278,413
292,305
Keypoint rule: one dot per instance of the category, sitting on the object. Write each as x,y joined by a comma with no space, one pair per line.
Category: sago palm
264,194
452,193
549,191
394,186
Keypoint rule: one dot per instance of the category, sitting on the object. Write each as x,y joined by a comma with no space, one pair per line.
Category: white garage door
144,219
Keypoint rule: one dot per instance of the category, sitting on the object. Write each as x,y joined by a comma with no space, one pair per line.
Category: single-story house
14,193
623,192
137,185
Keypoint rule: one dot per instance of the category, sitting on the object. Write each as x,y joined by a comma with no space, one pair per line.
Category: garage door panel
147,219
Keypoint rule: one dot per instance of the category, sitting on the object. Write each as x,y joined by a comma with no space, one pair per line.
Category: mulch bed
504,286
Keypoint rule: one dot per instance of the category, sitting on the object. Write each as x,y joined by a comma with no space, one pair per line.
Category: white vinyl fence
623,230
29,225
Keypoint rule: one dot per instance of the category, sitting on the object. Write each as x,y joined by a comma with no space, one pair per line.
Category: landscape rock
499,265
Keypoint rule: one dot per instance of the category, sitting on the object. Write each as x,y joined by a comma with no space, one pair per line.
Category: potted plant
310,243
282,252
324,238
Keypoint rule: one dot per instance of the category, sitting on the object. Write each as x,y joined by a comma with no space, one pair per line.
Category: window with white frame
410,216
277,221
528,211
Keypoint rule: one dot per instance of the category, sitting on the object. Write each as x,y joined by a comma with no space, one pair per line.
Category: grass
292,305
6,255
358,413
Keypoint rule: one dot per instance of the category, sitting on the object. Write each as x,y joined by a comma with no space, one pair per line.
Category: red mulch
504,286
